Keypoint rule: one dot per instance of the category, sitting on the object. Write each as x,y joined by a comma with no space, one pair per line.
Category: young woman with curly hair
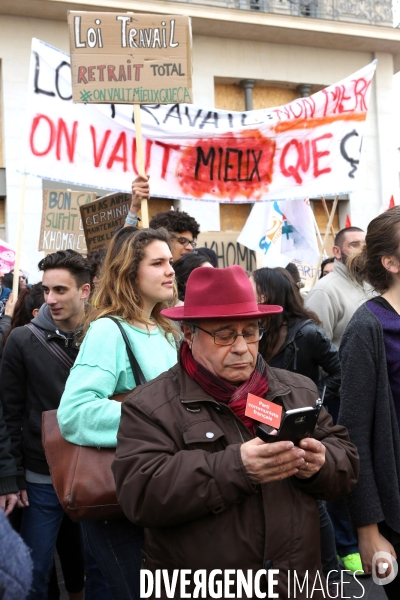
136,283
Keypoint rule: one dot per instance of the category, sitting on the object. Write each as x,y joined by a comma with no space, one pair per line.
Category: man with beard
336,297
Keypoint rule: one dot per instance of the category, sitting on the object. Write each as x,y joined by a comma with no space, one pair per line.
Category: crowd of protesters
147,347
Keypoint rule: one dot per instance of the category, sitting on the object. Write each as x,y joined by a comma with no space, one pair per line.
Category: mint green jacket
86,415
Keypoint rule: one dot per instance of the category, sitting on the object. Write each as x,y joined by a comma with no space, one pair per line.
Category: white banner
309,147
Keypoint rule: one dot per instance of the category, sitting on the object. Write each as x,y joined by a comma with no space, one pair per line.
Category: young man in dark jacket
32,380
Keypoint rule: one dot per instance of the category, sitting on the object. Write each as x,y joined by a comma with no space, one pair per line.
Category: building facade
267,52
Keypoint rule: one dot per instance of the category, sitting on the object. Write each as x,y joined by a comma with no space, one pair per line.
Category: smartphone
297,424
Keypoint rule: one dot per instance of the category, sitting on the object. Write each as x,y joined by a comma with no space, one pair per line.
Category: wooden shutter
233,216
322,222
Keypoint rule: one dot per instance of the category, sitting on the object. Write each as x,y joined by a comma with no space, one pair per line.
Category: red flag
391,202
348,222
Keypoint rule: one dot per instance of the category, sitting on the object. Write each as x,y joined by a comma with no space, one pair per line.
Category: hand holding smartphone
296,425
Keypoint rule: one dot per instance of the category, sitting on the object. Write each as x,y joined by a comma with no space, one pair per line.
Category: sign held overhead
130,58
102,217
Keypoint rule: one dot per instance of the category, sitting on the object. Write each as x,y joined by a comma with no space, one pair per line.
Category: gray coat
368,412
15,563
335,298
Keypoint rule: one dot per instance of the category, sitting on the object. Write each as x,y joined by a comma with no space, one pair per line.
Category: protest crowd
152,356
182,419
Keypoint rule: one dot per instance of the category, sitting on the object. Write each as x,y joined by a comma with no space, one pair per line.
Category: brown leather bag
81,475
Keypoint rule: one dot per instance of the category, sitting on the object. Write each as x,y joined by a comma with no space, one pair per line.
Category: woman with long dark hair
184,266
30,299
293,341
370,398
136,283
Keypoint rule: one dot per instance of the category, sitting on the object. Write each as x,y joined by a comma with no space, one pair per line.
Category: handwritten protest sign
61,221
308,148
130,58
102,217
306,271
229,252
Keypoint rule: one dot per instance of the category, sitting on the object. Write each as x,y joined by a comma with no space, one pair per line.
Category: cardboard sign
127,58
306,271
102,217
228,250
61,226
264,411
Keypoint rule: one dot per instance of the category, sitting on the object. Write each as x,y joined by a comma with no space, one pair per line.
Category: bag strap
138,376
54,349
67,361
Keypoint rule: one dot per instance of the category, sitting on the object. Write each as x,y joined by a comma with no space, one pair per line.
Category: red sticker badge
264,411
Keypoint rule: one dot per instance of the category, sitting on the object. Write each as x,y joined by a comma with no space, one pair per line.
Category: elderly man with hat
189,468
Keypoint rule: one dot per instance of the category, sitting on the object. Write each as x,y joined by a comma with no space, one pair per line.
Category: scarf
223,391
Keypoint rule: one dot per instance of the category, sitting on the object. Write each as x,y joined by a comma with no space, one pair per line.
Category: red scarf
223,391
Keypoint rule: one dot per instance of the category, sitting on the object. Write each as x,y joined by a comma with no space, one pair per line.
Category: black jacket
32,381
367,410
8,469
306,349
5,324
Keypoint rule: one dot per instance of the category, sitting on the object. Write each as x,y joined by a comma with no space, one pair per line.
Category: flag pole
330,221
140,160
19,237
318,231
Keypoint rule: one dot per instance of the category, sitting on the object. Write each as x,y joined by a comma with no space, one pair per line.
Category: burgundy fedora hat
219,294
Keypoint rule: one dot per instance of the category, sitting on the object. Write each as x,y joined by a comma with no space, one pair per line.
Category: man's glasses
184,241
227,337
